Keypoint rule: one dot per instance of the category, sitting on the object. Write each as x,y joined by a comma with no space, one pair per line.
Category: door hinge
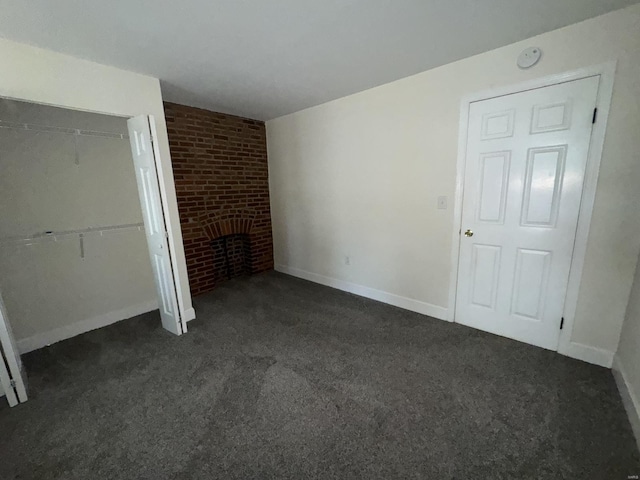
561,323
12,383
595,115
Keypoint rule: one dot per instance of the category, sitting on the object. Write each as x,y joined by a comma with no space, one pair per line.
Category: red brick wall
221,176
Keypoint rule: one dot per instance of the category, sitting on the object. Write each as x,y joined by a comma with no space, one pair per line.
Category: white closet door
144,159
526,160
13,379
6,388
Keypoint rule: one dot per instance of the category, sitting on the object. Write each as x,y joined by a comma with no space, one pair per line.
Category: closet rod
55,235
68,131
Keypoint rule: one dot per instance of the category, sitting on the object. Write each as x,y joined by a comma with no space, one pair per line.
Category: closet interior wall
73,252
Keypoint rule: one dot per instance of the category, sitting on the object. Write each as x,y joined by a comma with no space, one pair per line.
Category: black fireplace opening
231,256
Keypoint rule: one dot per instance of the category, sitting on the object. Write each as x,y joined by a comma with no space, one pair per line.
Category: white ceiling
266,58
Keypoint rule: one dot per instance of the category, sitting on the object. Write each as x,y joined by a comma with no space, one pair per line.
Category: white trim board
185,314
189,314
606,72
589,354
586,353
44,339
629,400
417,306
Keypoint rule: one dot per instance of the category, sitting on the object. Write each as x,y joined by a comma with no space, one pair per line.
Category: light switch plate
442,203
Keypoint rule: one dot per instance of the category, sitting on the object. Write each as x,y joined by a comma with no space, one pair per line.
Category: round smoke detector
529,57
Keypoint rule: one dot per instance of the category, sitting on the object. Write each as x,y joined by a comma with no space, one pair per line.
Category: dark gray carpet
281,378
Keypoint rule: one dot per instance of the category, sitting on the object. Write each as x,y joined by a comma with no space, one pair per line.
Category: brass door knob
468,233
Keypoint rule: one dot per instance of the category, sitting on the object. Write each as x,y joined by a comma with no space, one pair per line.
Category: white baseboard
586,353
630,401
189,314
56,335
424,308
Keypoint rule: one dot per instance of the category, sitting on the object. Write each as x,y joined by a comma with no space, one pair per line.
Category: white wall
360,176
627,364
41,76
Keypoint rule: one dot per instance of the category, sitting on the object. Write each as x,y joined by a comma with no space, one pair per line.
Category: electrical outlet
442,203
347,260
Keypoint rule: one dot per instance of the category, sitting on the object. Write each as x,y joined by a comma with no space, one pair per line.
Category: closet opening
81,219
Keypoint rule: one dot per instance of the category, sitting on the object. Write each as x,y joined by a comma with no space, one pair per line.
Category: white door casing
13,379
144,159
526,155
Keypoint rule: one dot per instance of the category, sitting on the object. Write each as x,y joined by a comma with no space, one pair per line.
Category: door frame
606,71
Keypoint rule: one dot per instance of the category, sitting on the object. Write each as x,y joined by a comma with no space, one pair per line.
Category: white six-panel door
525,163
154,222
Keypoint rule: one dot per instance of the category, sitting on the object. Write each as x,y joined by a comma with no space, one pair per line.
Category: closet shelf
68,131
54,236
